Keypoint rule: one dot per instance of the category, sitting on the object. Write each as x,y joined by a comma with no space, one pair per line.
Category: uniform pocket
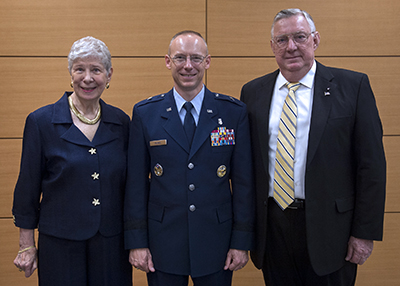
156,212
224,212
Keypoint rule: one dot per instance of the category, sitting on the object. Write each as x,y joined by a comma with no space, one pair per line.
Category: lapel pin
169,109
209,111
220,121
327,93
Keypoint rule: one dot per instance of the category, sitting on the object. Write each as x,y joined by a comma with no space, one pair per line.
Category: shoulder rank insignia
222,136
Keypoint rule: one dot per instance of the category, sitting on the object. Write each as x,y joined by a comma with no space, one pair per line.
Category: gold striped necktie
283,178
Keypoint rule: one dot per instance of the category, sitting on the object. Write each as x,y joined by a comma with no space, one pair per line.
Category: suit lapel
74,135
324,93
62,115
263,101
173,125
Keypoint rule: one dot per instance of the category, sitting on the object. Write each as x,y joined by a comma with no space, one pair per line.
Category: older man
319,163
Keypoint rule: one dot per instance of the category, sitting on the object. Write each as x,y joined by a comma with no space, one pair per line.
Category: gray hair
186,32
90,47
293,12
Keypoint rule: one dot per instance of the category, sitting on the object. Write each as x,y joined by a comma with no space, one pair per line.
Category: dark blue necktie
189,125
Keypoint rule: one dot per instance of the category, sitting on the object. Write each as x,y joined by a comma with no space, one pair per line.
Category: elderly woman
72,179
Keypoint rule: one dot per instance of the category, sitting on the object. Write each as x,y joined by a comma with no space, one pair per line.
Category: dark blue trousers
158,278
98,261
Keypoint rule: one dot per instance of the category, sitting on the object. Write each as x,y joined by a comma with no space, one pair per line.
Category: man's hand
141,259
236,259
359,250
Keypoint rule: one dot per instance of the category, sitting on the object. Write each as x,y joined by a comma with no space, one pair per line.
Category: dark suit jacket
57,165
188,214
345,171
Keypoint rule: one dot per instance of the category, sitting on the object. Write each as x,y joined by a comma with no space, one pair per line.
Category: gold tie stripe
284,178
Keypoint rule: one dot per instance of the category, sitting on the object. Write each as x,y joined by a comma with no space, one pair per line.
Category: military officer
195,215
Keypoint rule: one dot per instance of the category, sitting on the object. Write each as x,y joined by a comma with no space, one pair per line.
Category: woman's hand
26,261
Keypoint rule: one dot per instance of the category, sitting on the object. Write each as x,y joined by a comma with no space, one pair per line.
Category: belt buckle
297,204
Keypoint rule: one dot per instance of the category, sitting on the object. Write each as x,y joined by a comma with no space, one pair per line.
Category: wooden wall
36,35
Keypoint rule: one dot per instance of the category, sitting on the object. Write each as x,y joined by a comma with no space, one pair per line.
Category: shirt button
192,187
191,166
192,208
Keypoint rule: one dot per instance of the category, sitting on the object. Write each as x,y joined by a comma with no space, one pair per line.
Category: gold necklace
81,117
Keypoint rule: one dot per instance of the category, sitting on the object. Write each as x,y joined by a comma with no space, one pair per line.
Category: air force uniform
189,204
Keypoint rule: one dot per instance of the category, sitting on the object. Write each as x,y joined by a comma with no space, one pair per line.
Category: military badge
158,170
221,171
222,136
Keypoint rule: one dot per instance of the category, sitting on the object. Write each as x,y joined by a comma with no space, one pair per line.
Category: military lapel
172,123
206,122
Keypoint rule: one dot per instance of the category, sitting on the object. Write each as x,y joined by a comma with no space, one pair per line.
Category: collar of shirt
307,80
197,102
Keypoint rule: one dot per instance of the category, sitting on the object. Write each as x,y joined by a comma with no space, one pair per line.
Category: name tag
158,142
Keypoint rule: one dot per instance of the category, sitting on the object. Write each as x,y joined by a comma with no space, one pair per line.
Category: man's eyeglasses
181,59
298,38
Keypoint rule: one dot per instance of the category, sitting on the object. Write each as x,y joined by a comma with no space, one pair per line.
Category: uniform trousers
158,278
98,261
287,261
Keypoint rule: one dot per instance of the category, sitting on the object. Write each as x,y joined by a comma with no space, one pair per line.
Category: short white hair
90,47
287,13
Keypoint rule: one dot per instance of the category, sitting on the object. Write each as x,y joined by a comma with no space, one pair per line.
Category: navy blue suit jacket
188,213
345,170
56,190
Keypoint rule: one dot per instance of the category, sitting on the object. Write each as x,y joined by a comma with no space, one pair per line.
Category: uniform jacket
68,186
345,170
187,213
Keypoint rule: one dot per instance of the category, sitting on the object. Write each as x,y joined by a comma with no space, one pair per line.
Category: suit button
192,208
192,187
191,166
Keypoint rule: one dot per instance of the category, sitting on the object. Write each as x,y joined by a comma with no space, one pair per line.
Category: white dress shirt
304,99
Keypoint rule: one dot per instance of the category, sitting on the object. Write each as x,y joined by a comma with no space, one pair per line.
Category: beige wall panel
139,27
29,83
10,156
137,79
382,268
9,274
248,276
392,152
227,75
242,28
